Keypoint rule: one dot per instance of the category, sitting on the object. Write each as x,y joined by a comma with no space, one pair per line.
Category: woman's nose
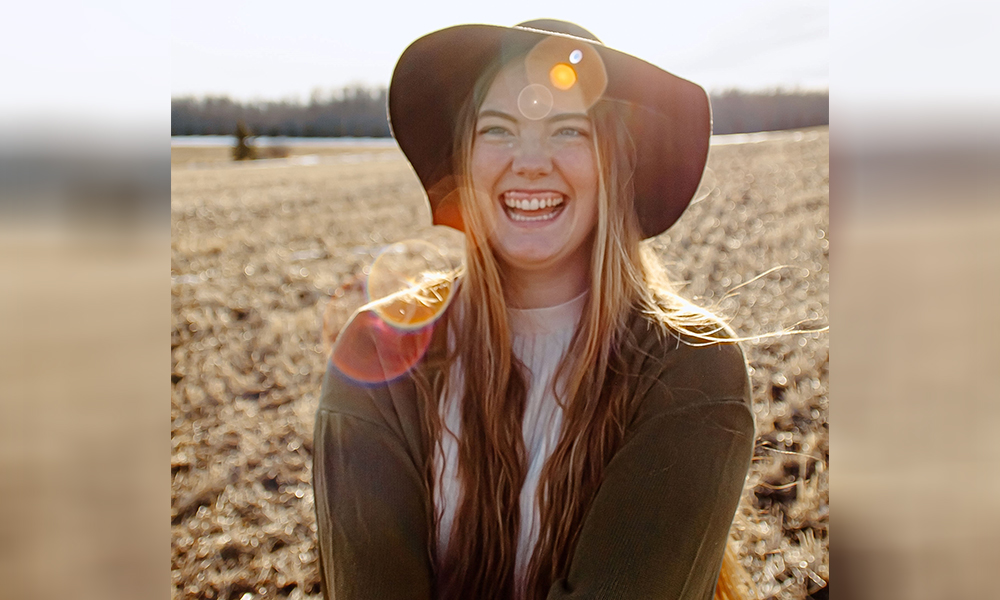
533,159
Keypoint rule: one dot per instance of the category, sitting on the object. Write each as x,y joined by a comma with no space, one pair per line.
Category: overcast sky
123,60
268,50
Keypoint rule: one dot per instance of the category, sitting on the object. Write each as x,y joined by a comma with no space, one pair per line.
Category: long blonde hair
491,458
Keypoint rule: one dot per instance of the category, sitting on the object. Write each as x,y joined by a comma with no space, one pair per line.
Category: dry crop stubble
756,248
263,254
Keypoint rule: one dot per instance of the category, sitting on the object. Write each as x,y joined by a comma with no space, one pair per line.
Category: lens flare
409,284
369,351
562,76
535,101
409,287
573,72
418,306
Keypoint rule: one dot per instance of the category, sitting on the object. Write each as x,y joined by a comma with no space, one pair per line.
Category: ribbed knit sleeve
541,353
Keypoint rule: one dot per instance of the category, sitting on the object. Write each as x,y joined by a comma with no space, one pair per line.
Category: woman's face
536,177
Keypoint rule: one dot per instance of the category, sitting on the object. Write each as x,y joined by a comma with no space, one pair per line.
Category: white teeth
546,217
531,203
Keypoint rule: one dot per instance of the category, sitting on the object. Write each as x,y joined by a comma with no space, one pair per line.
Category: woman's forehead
507,85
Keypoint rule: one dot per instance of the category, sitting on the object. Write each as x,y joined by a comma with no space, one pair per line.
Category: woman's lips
527,206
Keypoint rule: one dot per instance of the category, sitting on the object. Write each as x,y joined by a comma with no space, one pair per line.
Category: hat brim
669,118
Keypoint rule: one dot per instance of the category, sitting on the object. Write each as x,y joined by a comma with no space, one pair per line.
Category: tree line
351,112
734,111
358,111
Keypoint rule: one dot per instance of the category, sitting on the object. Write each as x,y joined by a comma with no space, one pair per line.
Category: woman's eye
494,130
571,132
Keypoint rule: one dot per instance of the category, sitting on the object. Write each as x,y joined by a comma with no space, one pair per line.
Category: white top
541,337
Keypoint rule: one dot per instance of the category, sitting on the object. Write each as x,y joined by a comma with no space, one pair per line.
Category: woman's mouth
533,206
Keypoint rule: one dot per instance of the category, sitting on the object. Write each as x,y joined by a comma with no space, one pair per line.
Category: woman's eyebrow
496,113
565,116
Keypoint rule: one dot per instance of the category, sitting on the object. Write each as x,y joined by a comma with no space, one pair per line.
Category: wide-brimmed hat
669,118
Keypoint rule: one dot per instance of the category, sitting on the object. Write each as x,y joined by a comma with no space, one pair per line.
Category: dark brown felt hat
669,118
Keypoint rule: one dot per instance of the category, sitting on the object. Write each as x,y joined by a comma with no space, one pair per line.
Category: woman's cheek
488,162
492,151
579,161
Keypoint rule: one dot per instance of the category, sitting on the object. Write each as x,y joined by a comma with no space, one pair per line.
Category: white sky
122,60
269,50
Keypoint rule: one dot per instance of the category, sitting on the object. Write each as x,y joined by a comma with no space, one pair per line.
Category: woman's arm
371,503
660,522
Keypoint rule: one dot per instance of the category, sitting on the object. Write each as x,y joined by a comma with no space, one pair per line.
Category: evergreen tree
243,150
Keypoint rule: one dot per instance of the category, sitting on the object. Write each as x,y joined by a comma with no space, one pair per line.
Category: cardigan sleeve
659,524
370,497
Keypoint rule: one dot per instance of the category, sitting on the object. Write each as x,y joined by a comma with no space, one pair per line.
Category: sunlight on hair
409,287
709,183
706,326
409,284
787,330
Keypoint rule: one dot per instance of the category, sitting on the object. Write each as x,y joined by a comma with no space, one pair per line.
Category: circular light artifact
410,284
535,101
370,352
562,76
573,72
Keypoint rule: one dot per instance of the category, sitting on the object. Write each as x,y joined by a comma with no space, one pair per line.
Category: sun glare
562,76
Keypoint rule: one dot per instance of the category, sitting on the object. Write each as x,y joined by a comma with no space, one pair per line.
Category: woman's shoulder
370,376
371,349
689,365
703,338
386,338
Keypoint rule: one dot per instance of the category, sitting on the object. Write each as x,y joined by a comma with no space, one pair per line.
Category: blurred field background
261,252
916,335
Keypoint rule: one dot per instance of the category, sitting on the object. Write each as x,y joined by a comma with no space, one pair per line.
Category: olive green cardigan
657,527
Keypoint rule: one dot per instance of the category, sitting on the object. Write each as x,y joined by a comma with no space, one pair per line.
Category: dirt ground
261,250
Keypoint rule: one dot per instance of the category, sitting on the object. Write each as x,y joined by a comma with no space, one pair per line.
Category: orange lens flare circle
573,70
410,284
562,76
371,352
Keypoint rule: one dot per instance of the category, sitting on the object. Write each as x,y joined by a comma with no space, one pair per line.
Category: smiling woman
569,427
538,184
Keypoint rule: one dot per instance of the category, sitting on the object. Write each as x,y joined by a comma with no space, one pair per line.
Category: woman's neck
544,287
